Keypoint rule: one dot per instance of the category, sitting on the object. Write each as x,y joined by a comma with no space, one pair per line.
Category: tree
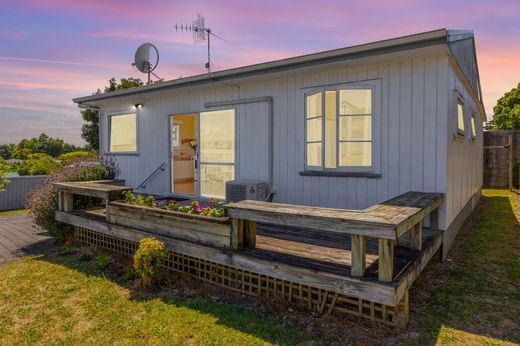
507,111
7,150
22,153
38,164
90,130
3,172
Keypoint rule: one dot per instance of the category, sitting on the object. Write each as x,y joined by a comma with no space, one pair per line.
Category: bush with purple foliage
42,200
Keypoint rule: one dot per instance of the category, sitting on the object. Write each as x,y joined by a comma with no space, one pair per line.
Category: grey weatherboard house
346,128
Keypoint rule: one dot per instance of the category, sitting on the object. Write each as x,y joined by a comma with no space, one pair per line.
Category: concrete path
19,237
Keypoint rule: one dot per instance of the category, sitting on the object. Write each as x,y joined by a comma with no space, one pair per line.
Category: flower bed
191,223
215,208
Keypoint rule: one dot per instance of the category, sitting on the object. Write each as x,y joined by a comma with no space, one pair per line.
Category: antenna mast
201,33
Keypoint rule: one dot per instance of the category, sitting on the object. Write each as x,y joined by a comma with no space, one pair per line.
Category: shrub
148,259
42,200
3,182
74,156
38,164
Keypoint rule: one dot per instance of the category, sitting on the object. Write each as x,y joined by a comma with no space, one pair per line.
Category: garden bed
202,229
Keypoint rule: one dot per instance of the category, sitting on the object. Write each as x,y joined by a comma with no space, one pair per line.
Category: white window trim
460,99
473,119
136,152
375,86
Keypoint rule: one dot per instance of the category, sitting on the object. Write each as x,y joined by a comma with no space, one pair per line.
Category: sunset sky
54,50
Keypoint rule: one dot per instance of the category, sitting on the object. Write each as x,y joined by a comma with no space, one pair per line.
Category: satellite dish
146,58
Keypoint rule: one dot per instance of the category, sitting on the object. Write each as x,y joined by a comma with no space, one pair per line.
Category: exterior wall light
139,105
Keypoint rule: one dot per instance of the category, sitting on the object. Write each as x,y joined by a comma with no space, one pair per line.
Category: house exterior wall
465,156
413,125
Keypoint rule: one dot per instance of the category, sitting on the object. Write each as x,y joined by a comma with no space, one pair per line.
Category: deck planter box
201,229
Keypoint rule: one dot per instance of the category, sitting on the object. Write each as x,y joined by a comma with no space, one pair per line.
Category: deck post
237,234
249,233
416,236
402,312
67,201
358,245
434,220
60,200
386,260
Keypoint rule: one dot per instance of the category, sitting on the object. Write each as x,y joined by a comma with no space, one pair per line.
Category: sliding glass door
216,151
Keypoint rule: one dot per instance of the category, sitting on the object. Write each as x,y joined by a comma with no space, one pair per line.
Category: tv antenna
201,34
146,59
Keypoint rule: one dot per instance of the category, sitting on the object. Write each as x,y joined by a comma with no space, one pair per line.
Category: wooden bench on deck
107,190
387,222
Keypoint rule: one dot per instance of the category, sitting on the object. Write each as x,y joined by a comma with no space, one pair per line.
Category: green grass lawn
60,299
13,212
472,298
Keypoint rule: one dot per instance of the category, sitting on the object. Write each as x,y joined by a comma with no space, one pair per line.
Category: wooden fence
16,191
501,157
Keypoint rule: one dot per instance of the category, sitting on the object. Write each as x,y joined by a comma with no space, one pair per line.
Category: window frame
460,100
375,86
473,123
133,111
200,163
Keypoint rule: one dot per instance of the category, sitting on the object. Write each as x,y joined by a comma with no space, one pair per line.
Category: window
473,126
339,128
123,133
460,116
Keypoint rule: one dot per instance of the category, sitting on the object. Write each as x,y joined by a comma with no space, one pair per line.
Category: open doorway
202,153
184,154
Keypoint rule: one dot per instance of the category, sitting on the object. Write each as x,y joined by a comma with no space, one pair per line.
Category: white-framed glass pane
123,133
213,179
355,154
355,101
355,128
314,154
217,136
460,116
176,134
314,130
314,105
473,128
330,129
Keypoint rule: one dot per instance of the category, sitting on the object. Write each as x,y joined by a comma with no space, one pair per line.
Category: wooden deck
326,252
310,249
337,251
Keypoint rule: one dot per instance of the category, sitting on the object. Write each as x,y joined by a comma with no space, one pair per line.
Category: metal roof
375,48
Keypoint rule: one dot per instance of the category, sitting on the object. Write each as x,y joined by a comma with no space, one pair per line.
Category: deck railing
389,222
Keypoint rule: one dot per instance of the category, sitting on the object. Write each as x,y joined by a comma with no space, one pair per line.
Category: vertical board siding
412,127
465,156
16,191
405,127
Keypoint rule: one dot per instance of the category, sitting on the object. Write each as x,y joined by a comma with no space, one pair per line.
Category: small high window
123,133
473,126
460,117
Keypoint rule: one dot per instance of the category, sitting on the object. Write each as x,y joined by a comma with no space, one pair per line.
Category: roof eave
374,48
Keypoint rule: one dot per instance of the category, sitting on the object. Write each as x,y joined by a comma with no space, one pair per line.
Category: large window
123,133
339,128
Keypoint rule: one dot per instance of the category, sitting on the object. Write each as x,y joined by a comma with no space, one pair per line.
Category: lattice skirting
315,299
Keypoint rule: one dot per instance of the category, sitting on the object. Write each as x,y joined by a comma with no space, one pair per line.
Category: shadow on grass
474,294
183,291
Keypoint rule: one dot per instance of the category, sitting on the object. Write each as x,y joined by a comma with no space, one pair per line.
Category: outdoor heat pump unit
239,190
